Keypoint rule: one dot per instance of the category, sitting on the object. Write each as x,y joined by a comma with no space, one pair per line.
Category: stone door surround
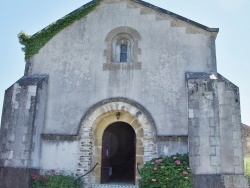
98,119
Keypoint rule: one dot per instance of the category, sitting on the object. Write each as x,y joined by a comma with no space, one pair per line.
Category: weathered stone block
238,151
212,151
212,122
234,181
215,160
214,140
16,177
236,135
195,140
207,181
212,131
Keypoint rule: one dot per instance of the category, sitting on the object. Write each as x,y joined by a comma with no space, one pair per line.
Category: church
114,84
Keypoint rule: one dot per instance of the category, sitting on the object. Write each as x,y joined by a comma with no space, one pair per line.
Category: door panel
118,154
105,169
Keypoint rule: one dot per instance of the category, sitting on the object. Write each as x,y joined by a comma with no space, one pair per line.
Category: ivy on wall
33,43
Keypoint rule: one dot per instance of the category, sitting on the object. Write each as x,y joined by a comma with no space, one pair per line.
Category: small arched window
122,49
124,53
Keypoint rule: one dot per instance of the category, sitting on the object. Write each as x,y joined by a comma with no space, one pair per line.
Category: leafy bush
169,172
248,178
52,180
247,165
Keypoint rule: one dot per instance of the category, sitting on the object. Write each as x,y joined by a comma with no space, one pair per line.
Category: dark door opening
118,154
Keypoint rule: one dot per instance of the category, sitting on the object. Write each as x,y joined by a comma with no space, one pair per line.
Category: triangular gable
32,44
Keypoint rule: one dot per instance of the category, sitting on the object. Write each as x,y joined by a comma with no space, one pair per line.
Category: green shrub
52,180
169,172
247,165
248,178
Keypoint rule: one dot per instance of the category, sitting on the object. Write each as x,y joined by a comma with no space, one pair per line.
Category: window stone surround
115,34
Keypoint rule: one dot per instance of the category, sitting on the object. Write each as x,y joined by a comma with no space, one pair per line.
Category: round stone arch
122,32
98,119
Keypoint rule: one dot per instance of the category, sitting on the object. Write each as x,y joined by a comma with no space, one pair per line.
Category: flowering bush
169,172
52,180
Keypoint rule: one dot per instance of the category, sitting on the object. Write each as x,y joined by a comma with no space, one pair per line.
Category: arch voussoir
94,125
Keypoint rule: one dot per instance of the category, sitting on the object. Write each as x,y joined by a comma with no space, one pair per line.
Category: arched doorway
118,154
97,120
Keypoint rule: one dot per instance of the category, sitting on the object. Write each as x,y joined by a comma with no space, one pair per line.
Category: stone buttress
215,144
22,125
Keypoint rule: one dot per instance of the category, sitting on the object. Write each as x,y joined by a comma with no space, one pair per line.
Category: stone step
113,186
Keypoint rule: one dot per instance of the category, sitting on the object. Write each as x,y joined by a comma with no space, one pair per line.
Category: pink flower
155,168
177,162
36,176
158,160
45,178
185,172
154,180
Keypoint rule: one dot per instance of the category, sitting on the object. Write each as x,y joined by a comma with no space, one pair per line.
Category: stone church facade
117,87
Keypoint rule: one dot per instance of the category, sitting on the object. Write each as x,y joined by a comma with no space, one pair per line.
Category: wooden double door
118,154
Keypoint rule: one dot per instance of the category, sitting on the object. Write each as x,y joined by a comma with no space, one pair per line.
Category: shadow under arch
98,118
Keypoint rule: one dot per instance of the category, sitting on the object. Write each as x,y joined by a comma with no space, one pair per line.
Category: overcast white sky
230,16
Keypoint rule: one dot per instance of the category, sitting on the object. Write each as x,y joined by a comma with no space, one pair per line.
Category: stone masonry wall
16,177
230,127
38,124
18,122
215,145
4,132
167,48
204,140
92,129
170,145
